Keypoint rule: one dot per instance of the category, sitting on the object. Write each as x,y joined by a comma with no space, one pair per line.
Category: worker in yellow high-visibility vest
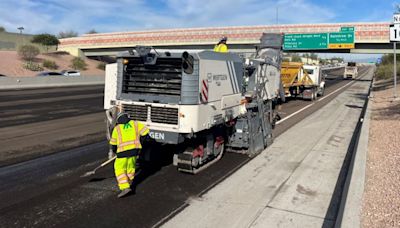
125,142
221,46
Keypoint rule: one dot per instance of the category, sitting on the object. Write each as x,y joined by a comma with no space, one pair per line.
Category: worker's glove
111,154
146,139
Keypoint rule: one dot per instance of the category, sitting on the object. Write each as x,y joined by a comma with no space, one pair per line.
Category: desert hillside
11,64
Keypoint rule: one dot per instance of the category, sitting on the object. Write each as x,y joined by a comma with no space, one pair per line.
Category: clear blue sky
53,16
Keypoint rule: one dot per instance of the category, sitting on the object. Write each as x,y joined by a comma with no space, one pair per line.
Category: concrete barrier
48,81
350,209
331,68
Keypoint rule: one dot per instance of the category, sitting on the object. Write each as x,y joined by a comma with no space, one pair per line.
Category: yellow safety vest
127,136
221,48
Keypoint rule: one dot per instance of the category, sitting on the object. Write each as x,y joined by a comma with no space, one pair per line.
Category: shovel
90,173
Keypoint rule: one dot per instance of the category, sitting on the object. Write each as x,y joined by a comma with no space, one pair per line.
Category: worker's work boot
124,192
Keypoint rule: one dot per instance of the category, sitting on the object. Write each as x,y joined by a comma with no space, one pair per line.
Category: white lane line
302,109
287,117
348,84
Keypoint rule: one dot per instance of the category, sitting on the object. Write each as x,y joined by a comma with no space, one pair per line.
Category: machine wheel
219,146
194,160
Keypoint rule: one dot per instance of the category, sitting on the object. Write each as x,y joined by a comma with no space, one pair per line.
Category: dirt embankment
11,64
381,200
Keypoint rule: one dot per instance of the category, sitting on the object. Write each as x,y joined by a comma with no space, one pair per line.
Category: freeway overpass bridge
369,38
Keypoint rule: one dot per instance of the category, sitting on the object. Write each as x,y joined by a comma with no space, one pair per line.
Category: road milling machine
203,101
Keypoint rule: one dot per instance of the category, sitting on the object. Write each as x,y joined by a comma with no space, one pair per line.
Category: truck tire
313,94
322,92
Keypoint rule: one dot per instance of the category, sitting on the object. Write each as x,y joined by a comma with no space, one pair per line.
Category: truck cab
350,71
315,73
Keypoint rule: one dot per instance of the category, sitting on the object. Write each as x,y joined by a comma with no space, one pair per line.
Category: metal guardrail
48,81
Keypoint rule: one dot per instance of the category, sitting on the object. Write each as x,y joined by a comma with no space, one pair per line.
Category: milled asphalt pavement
290,184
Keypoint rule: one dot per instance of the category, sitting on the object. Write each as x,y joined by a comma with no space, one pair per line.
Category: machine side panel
110,89
190,86
218,79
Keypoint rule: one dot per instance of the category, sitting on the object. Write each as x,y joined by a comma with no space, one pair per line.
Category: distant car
70,73
46,73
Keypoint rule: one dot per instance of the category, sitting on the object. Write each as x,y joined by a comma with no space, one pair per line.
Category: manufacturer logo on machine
220,77
157,135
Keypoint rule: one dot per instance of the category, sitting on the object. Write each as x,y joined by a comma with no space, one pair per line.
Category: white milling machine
207,101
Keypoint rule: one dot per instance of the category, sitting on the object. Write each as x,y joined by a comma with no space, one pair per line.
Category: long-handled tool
98,167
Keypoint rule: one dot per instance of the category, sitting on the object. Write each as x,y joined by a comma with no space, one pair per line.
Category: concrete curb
349,214
7,83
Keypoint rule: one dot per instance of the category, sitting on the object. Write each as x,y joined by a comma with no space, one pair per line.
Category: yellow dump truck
301,80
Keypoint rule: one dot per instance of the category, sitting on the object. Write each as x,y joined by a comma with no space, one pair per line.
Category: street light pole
21,37
20,29
395,70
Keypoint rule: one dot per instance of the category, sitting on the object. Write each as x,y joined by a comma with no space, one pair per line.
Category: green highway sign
305,41
312,41
347,29
341,40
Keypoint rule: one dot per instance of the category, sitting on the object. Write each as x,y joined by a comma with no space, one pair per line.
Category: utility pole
277,15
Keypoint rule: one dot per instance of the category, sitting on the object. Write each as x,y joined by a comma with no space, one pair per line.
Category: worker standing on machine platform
221,46
125,142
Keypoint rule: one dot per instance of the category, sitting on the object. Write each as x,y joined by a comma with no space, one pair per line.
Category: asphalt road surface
48,191
34,105
36,122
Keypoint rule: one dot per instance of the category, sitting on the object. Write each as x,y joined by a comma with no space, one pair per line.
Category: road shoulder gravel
381,201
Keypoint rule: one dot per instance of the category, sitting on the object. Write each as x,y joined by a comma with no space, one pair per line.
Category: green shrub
50,64
46,40
385,71
28,52
101,66
32,66
78,64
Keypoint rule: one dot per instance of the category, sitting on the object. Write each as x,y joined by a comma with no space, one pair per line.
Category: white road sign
395,32
396,18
